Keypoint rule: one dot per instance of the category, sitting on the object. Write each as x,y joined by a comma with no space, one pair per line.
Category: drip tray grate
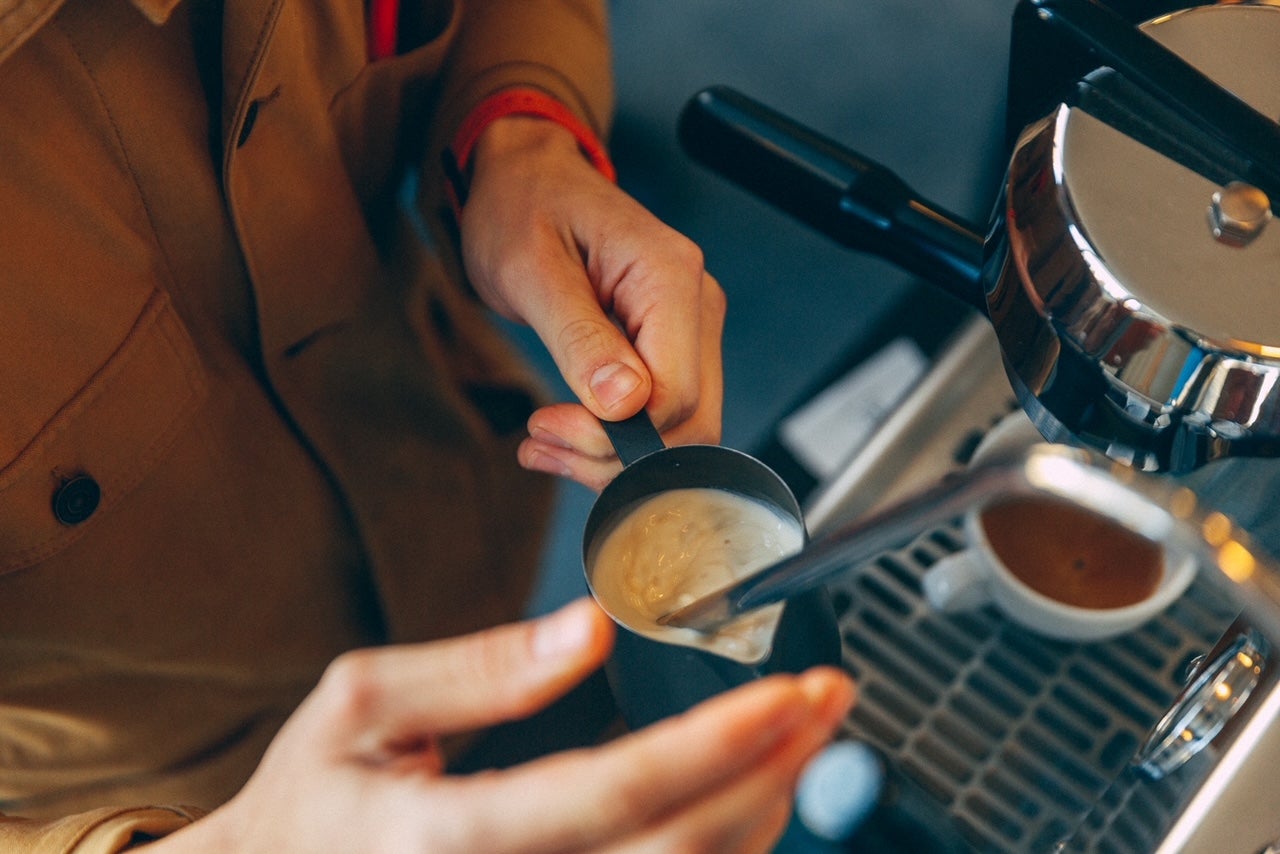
1025,740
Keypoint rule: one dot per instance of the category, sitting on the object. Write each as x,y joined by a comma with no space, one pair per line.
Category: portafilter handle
854,201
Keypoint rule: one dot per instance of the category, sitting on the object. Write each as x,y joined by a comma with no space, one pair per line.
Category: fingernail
547,437
567,631
547,464
610,384
830,694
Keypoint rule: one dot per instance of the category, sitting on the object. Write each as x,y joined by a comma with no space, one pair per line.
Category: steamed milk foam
681,544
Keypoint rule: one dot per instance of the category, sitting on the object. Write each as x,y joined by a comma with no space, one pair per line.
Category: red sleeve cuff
384,20
517,102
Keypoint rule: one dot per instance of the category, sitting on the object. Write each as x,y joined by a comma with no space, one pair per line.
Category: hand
620,300
357,768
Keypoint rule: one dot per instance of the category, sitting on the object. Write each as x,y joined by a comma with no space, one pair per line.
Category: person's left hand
620,300
358,765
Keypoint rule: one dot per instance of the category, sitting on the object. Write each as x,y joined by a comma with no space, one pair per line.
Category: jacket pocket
94,450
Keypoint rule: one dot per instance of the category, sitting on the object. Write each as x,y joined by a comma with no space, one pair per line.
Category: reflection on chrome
1220,686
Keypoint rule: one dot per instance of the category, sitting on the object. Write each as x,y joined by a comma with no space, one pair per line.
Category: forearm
559,47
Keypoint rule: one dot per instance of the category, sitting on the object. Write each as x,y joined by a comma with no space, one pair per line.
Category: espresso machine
1125,298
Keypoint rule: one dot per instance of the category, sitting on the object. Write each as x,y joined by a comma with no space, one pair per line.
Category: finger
566,440
659,296
591,353
550,459
755,830
751,811
588,798
373,702
711,386
571,427
680,340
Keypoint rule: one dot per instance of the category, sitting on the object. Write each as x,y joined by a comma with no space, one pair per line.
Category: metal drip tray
1028,743
1020,737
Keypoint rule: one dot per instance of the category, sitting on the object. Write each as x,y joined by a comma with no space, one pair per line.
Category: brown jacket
216,321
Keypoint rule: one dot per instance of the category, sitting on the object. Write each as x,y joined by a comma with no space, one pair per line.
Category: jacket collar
243,42
19,19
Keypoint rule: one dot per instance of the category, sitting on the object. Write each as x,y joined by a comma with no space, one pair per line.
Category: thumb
398,694
593,355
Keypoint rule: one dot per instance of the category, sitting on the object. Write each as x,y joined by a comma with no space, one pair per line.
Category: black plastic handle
854,201
634,437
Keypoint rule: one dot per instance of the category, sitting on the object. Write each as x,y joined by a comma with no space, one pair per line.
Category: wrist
546,122
518,134
210,832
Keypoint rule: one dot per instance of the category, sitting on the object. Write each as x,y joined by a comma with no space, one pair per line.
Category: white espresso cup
1058,569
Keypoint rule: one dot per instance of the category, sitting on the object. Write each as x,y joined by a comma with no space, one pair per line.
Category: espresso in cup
1072,555
1058,568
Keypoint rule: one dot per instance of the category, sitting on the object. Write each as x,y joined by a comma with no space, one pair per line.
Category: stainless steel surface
1236,807
1023,740
961,397
1219,687
1126,322
1028,742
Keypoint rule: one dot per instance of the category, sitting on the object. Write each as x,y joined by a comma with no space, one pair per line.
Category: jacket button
76,499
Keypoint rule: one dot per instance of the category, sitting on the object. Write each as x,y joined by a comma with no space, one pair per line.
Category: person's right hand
621,300
357,767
